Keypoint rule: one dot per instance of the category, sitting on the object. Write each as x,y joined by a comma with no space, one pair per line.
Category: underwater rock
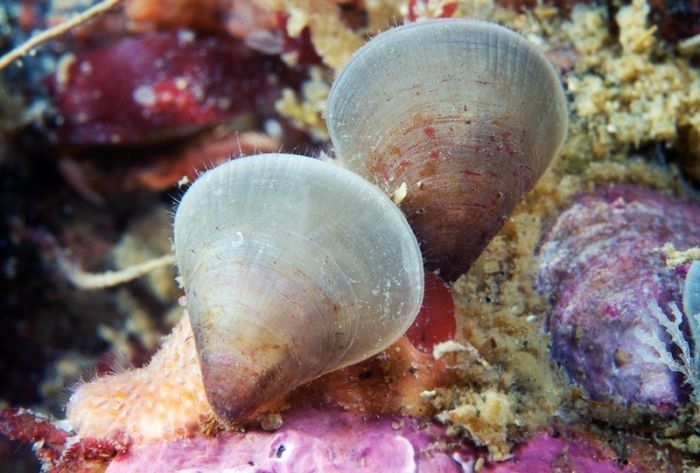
310,440
615,322
325,440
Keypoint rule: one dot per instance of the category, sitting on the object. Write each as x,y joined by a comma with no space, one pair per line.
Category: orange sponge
163,400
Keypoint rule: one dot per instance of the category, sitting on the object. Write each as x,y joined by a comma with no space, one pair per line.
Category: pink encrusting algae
311,440
572,451
323,440
163,400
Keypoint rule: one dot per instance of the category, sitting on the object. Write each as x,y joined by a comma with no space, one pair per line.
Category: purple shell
601,268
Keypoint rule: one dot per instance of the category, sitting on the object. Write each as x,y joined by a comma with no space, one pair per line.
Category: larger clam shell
292,268
467,113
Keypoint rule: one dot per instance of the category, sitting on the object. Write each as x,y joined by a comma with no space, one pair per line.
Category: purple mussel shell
601,267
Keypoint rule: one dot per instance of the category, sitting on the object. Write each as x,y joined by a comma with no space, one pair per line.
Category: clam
466,114
691,307
292,268
691,292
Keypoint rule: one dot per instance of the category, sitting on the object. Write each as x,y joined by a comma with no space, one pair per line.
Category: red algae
391,383
312,439
435,322
298,50
54,448
153,86
27,426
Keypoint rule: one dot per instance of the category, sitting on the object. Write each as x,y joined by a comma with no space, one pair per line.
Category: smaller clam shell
691,290
466,113
691,307
293,268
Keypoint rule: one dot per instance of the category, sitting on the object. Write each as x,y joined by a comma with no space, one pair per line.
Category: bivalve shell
292,268
467,114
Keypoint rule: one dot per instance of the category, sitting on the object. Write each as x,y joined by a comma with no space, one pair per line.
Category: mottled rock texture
609,285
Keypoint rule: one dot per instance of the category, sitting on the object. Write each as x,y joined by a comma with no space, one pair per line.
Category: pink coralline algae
156,85
314,440
616,321
573,451
310,440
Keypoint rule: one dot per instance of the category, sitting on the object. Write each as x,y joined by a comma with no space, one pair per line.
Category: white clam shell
691,307
292,268
468,114
691,290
